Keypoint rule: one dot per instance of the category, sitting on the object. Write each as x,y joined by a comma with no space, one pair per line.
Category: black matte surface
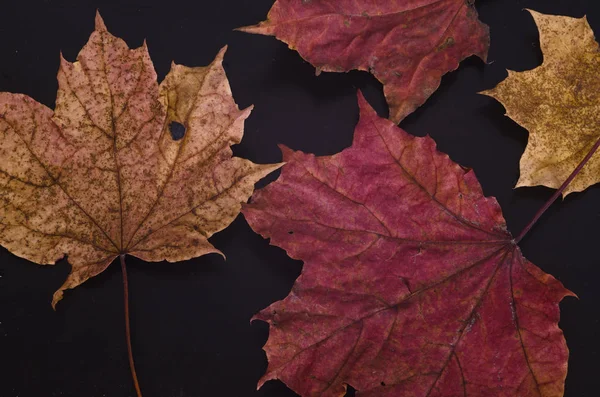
192,335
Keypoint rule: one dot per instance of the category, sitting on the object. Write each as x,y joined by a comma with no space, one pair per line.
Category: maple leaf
408,45
122,165
412,285
559,104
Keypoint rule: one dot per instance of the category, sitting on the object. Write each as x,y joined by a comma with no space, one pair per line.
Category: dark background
191,330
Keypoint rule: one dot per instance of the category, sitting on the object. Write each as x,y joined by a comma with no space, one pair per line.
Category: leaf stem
560,190
128,328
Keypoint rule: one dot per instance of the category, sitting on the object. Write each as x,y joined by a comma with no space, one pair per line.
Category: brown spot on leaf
449,42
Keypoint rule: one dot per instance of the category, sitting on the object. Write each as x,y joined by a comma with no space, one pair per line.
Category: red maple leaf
408,45
412,285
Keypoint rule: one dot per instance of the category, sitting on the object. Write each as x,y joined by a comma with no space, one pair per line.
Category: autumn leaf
559,104
412,285
122,165
408,45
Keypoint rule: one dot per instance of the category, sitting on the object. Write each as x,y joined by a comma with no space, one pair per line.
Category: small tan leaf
123,165
559,104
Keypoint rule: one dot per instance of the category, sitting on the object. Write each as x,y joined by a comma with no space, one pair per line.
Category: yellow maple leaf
559,104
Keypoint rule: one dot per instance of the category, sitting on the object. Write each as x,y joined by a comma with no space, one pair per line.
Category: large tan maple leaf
559,104
123,165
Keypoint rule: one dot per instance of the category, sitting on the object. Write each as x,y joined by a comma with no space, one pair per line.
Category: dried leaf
559,104
123,165
412,286
407,45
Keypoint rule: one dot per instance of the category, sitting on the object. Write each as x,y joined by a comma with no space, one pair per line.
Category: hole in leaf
382,383
177,130
290,232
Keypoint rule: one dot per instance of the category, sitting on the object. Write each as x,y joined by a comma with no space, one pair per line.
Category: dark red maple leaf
408,45
412,286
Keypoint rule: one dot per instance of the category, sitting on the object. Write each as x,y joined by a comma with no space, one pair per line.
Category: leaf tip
276,166
253,29
57,297
99,22
246,111
571,294
361,97
265,378
221,54
61,57
488,92
364,106
535,14
260,383
286,152
213,250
